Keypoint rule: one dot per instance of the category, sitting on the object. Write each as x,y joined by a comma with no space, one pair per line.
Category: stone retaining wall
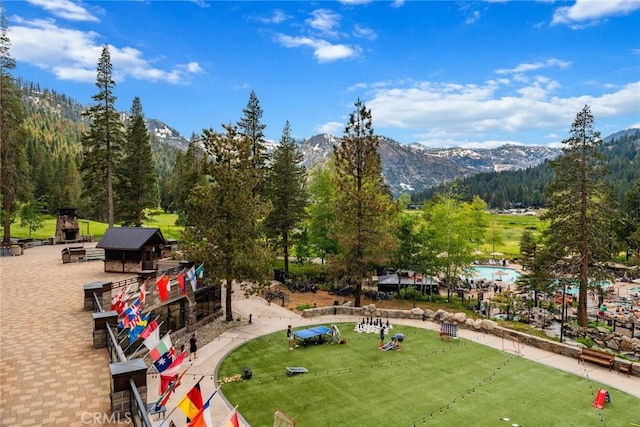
483,325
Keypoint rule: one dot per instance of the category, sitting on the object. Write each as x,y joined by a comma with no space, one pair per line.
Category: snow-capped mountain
415,167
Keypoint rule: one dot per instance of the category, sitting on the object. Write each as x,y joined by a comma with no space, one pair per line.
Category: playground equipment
601,397
449,331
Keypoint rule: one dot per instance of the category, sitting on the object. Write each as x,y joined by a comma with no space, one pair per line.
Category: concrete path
51,375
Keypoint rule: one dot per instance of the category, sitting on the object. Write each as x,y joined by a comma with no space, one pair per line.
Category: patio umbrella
500,273
477,252
496,253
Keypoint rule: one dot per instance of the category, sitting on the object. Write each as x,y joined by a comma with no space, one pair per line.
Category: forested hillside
526,187
54,123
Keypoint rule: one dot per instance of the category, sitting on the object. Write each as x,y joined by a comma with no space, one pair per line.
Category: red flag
233,420
181,283
175,365
143,292
173,384
152,326
162,284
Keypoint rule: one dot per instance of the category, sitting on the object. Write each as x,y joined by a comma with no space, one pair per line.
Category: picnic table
296,370
315,335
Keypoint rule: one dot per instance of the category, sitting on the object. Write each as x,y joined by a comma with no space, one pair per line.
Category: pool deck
50,375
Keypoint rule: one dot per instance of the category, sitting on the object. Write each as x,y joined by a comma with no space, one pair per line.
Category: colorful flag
181,282
232,421
131,315
163,287
203,419
143,292
152,326
168,387
191,275
161,348
191,403
138,328
164,361
200,271
119,302
153,337
173,369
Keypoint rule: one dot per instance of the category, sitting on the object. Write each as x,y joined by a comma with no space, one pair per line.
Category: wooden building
131,249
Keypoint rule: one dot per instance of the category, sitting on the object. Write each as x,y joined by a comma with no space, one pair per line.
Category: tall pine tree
250,127
14,169
137,178
286,189
364,208
578,212
224,217
102,144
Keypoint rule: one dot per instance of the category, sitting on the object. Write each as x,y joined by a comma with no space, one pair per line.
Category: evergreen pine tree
250,127
14,169
223,227
286,189
364,208
137,178
578,213
102,143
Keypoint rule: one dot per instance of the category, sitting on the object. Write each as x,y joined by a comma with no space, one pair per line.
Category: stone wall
482,325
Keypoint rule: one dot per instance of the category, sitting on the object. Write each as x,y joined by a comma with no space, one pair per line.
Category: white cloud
522,68
397,3
73,54
450,111
277,17
323,51
332,128
324,20
355,2
585,11
65,9
364,32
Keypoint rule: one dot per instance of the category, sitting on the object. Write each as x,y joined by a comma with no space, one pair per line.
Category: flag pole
128,347
229,416
140,346
176,407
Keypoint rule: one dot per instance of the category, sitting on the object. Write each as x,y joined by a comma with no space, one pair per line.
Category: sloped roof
130,238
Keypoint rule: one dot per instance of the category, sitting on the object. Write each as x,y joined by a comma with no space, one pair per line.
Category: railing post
121,390
100,321
102,291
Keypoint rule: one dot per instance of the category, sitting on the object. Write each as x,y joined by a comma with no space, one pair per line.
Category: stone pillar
121,395
102,291
147,275
100,330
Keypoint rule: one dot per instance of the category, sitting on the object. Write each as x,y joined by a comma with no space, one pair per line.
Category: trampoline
315,335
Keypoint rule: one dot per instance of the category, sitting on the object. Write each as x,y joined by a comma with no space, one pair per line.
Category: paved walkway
51,375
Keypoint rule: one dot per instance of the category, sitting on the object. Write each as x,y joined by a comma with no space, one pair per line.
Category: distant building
131,249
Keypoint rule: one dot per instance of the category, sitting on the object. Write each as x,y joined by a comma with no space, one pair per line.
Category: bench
597,357
625,368
296,370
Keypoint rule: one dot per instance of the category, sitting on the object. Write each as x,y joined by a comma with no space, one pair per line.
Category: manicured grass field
431,381
164,221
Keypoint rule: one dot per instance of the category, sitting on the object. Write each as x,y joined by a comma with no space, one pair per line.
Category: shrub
586,341
304,306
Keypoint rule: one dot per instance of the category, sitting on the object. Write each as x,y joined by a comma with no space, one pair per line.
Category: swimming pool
491,274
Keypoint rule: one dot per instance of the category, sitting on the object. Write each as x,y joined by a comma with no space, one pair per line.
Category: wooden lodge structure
131,249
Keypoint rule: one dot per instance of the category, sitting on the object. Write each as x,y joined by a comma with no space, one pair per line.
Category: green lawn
165,222
430,381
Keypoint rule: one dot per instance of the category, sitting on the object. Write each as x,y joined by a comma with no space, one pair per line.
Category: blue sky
442,73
